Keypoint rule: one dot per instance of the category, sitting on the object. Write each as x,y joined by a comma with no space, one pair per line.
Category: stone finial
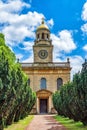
68,60
43,20
18,60
85,60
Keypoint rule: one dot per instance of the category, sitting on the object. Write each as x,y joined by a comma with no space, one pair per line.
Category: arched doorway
43,100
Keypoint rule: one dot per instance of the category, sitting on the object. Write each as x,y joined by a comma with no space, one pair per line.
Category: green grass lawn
70,124
21,125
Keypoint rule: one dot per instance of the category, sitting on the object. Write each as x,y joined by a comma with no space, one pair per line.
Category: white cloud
20,27
19,56
84,28
12,6
76,64
86,56
84,18
84,12
85,47
17,26
28,46
50,23
28,60
14,37
63,42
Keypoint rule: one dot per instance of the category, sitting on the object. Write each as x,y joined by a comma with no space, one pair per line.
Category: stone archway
43,101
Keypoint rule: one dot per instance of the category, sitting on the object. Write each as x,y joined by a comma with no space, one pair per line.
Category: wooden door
43,105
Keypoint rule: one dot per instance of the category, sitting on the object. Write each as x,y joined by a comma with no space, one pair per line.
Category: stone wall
51,78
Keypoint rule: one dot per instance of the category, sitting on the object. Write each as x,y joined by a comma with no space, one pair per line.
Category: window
43,83
59,83
42,35
38,36
47,36
28,82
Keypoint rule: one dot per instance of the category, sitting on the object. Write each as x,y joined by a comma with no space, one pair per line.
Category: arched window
59,83
47,36
42,35
38,36
43,83
28,82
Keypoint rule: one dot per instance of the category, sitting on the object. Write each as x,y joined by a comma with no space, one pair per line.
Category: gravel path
44,122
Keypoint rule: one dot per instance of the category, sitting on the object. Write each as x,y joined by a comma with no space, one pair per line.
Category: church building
45,76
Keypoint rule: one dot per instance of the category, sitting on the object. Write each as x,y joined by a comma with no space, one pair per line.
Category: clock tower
43,48
45,76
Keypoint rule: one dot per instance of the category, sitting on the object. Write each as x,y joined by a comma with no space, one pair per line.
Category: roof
42,26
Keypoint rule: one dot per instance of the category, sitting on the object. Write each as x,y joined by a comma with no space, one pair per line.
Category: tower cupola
43,26
43,34
43,48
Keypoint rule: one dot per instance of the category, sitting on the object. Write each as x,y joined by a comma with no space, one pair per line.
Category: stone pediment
43,93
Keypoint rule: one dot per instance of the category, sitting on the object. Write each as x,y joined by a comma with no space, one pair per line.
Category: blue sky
66,19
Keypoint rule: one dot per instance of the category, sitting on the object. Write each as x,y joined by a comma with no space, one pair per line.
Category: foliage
20,125
71,101
16,97
70,124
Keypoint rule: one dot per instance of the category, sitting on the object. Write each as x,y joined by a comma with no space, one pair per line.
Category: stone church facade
45,76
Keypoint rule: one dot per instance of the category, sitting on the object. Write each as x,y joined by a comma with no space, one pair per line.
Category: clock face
43,54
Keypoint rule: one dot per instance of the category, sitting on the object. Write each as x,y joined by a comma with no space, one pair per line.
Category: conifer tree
16,97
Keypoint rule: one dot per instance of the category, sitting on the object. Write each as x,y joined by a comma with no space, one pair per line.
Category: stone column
37,105
50,104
